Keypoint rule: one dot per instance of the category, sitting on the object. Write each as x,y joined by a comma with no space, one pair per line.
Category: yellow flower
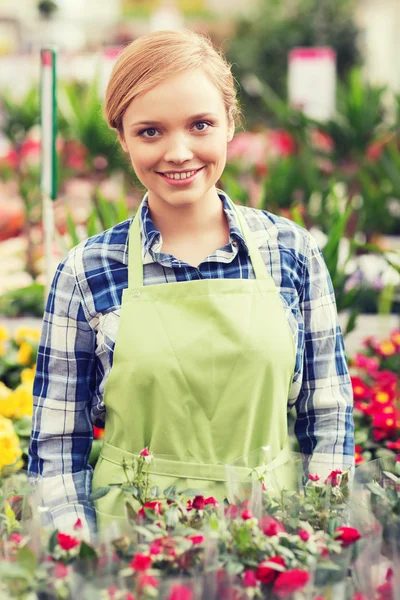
23,399
23,334
8,404
28,375
24,353
4,335
10,450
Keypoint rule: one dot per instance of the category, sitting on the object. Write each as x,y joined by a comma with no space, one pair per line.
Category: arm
62,435
324,425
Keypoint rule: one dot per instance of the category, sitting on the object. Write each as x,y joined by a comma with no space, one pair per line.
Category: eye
202,125
151,131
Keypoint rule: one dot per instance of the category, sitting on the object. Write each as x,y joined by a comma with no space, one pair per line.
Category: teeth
180,175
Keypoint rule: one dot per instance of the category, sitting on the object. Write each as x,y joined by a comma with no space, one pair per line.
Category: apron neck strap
135,262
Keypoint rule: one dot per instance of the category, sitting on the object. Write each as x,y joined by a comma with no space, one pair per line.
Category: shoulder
278,232
101,250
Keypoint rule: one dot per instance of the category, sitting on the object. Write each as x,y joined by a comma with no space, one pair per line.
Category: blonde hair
153,58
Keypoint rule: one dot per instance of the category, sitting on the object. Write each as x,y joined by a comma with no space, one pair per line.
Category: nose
178,150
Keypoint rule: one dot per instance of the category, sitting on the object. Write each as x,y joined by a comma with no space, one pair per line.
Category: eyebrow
192,118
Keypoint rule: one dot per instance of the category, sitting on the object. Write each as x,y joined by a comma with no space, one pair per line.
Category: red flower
246,515
141,562
196,539
98,432
15,538
198,502
395,338
313,477
289,582
211,501
180,592
360,389
386,348
347,535
271,526
282,141
374,151
333,477
304,535
78,524
152,505
67,542
382,396
265,573
145,452
386,379
249,579
394,446
368,363
358,458
385,591
156,546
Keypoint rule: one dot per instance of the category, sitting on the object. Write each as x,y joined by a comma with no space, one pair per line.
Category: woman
191,328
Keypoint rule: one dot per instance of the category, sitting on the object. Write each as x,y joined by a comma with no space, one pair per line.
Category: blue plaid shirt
80,326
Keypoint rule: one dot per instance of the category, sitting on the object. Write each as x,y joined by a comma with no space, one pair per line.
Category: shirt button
136,294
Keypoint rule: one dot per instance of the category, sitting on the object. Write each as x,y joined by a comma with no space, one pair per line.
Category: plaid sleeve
62,432
324,424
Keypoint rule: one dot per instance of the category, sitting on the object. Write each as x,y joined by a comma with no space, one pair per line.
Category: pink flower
156,547
15,538
67,542
246,515
180,592
145,452
289,582
148,581
78,524
60,571
313,477
140,562
249,579
196,539
304,535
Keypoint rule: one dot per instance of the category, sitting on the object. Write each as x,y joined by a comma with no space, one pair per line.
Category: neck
185,221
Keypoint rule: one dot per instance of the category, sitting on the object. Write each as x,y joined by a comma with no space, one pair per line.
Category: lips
181,182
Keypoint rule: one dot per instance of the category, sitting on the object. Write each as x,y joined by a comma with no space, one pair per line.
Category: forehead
181,95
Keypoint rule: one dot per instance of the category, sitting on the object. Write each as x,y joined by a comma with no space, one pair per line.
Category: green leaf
86,551
131,489
234,568
391,476
172,516
53,541
191,492
23,426
72,229
376,489
27,559
99,493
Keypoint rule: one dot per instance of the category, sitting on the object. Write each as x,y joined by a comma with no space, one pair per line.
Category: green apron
200,376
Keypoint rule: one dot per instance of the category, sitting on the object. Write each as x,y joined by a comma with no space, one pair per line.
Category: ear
121,139
231,131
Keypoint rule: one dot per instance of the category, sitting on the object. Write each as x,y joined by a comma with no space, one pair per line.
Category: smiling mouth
180,176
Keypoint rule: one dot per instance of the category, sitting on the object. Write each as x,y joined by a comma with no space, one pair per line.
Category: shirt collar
151,236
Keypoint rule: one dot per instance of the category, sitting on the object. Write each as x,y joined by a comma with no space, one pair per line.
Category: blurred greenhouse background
319,86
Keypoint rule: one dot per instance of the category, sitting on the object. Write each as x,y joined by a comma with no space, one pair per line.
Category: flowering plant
376,391
182,546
